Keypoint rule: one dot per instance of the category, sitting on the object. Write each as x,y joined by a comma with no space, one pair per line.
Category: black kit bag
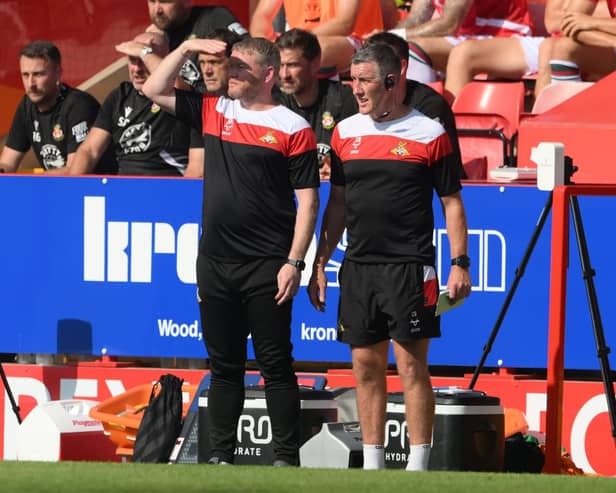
161,423
522,454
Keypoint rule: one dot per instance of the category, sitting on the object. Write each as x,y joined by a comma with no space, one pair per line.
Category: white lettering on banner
536,405
20,386
122,251
393,429
71,388
485,261
396,457
259,429
31,387
491,253
581,413
589,411
169,328
318,333
253,451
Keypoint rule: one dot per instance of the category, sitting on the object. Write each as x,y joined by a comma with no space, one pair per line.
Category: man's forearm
597,38
448,24
457,228
305,222
332,227
160,84
10,159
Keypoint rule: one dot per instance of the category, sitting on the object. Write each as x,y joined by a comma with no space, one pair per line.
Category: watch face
298,264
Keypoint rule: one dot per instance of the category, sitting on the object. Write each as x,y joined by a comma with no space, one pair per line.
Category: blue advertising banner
93,265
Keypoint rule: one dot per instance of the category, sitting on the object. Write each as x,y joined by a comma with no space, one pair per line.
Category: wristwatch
300,265
463,261
145,51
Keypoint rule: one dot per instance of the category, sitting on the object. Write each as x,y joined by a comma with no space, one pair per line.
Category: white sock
374,457
563,70
419,455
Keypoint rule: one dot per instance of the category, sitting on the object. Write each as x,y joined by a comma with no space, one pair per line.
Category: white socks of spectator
419,455
374,456
563,70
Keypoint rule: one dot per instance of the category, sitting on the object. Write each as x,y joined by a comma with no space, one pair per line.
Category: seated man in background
339,24
179,20
146,140
52,117
322,102
214,68
586,49
508,57
431,39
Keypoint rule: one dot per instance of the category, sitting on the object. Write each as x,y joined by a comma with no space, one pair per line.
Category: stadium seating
555,93
487,116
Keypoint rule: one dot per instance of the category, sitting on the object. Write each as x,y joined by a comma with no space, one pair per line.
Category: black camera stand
588,274
14,405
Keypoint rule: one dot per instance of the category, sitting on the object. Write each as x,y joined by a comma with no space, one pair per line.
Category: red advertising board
586,426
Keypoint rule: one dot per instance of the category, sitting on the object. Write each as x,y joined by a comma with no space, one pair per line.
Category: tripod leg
14,405
519,272
588,274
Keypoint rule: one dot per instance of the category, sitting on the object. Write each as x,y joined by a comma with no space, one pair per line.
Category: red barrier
558,299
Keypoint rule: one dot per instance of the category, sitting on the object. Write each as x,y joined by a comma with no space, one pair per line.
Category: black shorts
387,301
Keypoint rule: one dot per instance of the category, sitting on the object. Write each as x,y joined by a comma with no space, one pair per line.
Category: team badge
400,150
57,133
155,108
269,138
327,120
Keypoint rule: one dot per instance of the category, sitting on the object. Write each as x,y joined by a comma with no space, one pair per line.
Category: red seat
487,118
437,85
555,93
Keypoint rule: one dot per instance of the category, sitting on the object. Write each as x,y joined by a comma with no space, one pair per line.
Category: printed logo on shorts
155,108
414,323
57,133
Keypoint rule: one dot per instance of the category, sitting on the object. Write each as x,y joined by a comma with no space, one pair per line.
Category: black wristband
463,261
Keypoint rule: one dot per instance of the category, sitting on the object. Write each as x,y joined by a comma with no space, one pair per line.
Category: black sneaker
216,461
